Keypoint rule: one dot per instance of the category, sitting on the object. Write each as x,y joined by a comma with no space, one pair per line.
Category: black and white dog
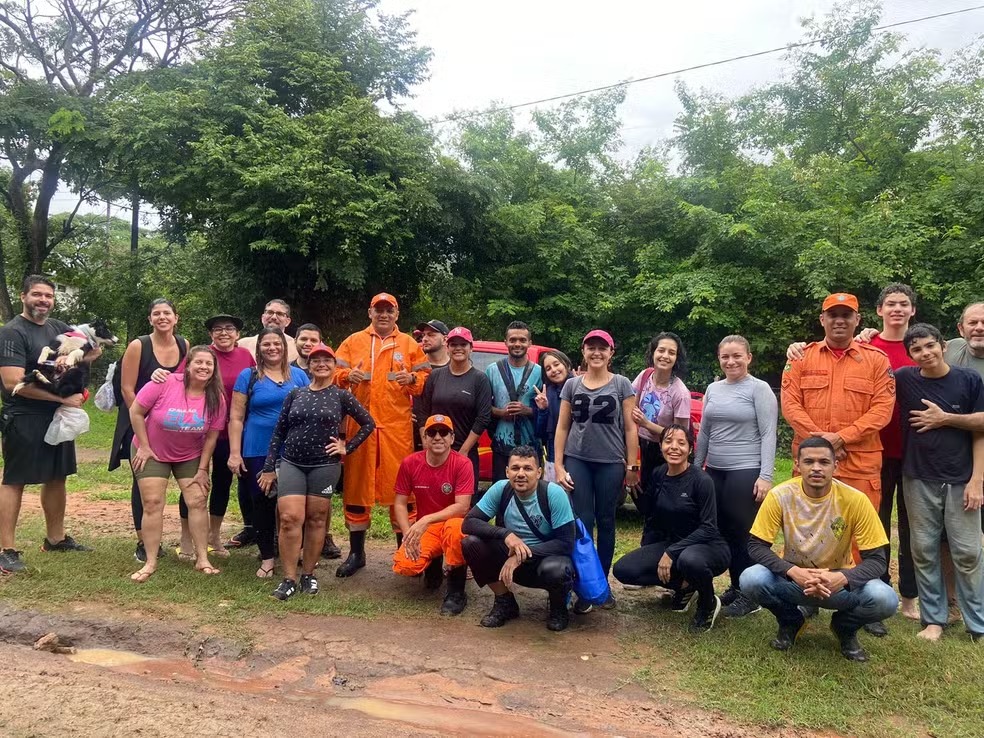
71,376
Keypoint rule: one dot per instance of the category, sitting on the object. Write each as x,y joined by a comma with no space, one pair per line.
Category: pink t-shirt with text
176,423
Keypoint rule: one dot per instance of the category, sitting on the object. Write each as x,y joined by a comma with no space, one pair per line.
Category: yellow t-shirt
818,531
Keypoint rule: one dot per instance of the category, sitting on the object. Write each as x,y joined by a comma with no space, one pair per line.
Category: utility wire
705,65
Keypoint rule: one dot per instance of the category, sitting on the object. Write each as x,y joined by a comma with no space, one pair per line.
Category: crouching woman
682,548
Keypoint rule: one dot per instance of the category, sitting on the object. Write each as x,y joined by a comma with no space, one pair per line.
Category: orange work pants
439,539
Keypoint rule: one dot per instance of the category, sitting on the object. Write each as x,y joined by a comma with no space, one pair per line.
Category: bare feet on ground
931,633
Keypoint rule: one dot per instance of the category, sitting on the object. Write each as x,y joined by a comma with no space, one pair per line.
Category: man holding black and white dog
24,419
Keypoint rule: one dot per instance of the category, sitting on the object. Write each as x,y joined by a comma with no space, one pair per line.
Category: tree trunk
133,324
39,247
6,306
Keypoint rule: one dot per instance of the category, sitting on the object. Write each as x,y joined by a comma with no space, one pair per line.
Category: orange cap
442,421
384,297
841,299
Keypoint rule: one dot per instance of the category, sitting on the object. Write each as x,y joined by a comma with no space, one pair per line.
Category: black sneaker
808,611
878,629
582,607
683,599
787,633
330,550
434,573
740,606
504,609
609,603
729,596
559,618
140,553
309,584
285,590
704,619
244,538
65,544
849,645
454,603
10,562
976,637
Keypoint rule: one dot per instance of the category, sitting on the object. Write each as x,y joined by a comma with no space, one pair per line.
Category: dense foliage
284,165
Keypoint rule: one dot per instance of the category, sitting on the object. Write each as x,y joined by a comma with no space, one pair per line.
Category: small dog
71,376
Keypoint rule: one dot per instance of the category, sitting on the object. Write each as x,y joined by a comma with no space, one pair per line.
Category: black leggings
485,558
736,508
891,489
264,508
697,565
650,457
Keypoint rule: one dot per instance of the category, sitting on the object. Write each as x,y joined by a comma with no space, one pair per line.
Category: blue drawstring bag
590,584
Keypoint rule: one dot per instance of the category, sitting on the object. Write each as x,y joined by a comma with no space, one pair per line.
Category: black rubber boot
357,555
455,599
434,573
559,618
399,540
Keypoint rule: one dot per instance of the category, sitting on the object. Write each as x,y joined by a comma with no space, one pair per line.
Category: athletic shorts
153,469
317,481
27,459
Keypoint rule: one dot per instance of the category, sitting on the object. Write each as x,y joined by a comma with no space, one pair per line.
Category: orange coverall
370,471
852,396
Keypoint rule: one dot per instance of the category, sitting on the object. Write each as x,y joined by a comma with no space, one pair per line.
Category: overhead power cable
705,65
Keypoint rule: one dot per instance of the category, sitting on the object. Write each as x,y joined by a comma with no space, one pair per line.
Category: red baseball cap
603,335
384,297
460,332
840,299
438,421
321,348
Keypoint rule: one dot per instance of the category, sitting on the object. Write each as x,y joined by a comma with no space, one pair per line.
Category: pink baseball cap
460,332
603,335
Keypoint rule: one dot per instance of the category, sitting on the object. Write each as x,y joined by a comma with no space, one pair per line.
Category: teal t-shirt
520,431
561,511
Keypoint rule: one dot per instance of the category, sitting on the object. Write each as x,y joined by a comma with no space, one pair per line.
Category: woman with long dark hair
176,424
164,349
556,369
662,398
681,546
257,398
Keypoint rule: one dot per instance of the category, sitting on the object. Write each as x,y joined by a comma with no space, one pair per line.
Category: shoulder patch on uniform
788,367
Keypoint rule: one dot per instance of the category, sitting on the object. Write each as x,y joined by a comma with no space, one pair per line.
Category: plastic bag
68,424
591,584
105,397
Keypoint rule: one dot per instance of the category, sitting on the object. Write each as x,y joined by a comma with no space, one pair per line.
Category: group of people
897,413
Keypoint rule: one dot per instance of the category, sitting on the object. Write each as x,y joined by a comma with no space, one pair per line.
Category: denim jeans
933,508
875,601
597,487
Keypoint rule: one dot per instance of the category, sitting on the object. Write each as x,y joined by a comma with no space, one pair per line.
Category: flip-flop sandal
263,573
141,576
210,570
183,556
222,552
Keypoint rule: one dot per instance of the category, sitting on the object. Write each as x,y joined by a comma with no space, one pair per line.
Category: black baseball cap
434,325
223,317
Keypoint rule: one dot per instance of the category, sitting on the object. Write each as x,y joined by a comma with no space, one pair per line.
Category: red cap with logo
321,348
384,297
840,299
460,332
603,335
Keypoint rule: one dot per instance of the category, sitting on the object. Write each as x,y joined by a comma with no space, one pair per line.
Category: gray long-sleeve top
738,427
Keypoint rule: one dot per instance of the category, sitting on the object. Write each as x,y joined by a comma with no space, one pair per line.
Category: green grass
101,427
909,688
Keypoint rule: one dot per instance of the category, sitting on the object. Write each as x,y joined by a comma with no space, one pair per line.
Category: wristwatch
632,467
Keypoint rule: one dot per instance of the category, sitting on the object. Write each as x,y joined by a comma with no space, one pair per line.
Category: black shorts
27,459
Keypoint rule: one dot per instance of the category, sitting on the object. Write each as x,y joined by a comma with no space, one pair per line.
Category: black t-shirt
466,399
681,509
21,342
945,454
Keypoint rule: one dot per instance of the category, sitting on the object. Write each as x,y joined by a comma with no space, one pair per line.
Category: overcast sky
513,51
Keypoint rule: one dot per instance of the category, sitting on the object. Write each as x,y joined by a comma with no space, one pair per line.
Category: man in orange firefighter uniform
844,391
384,369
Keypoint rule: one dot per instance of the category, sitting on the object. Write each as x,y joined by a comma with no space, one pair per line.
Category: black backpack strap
507,378
529,523
182,347
543,499
500,513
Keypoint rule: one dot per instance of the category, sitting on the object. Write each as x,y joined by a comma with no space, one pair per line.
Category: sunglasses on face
442,432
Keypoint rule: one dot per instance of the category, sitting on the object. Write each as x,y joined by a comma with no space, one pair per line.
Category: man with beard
384,368
515,381
308,336
431,337
24,420
276,314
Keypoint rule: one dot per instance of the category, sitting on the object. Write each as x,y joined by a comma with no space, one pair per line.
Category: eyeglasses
278,313
223,329
442,432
